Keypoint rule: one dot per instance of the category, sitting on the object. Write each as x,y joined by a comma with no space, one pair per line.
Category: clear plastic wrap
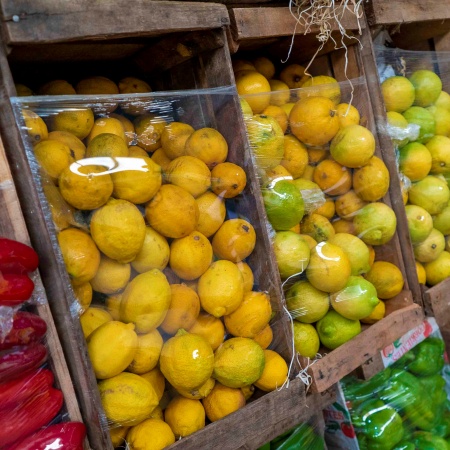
160,225
405,406
415,88
325,190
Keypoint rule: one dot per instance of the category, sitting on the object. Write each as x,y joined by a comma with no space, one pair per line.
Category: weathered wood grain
438,297
414,36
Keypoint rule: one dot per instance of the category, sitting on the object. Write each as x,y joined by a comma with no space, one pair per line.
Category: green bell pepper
443,428
424,440
302,437
357,391
429,357
405,446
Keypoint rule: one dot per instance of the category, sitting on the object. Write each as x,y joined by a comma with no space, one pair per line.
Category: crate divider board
12,226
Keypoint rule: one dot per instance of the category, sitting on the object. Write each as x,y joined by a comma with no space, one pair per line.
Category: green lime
306,339
306,303
427,86
291,252
420,223
357,300
425,120
431,193
335,330
284,205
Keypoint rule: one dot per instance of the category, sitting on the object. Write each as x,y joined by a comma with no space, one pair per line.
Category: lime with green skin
427,86
306,339
335,330
284,205
420,223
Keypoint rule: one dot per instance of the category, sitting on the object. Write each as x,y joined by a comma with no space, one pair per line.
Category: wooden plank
345,64
40,21
442,43
251,23
386,12
260,421
438,297
346,358
413,36
54,276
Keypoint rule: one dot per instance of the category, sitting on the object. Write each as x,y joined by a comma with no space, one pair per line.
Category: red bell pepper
19,361
15,288
64,436
16,257
35,413
15,392
26,328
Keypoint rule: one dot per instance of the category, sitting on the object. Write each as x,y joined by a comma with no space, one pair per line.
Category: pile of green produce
405,406
301,437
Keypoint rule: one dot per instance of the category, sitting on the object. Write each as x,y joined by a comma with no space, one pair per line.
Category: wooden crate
12,226
175,45
248,36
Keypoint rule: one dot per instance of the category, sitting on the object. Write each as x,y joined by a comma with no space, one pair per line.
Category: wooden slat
344,359
413,36
442,43
251,23
42,21
260,421
438,297
386,12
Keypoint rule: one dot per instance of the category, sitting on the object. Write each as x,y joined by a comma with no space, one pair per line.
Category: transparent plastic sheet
156,219
404,406
324,186
415,87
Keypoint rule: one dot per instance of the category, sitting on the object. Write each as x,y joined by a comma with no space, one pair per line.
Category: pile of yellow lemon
424,159
139,205
308,141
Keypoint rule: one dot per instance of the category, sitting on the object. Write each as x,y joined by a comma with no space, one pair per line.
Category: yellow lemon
264,338
146,300
248,391
190,256
264,66
221,288
327,209
313,121
127,399
159,157
421,273
201,392
278,114
234,240
377,314
111,348
348,204
438,270
146,358
430,248
317,154
85,187
356,250
130,133
78,122
92,318
287,108
118,229
255,89
329,267
36,127
117,435
210,328
139,182
306,339
184,416
397,128
80,254
305,303
280,93
132,85
222,401
295,157
308,174
152,434
149,129
174,137
291,252
157,380
112,276
347,114
432,193
183,310
107,144
173,212
83,295
57,87
238,362
353,146
309,240
186,360
96,85
415,161
228,180
332,177
387,279
212,213
154,253
189,173
439,148
344,226
266,141
22,90
77,148
294,76
371,182
208,145
240,64
322,86
277,173
398,93
247,275
251,317
275,372
318,227
53,157
112,304
107,125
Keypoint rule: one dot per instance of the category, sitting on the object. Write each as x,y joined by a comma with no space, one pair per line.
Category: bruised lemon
228,180
371,182
208,145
